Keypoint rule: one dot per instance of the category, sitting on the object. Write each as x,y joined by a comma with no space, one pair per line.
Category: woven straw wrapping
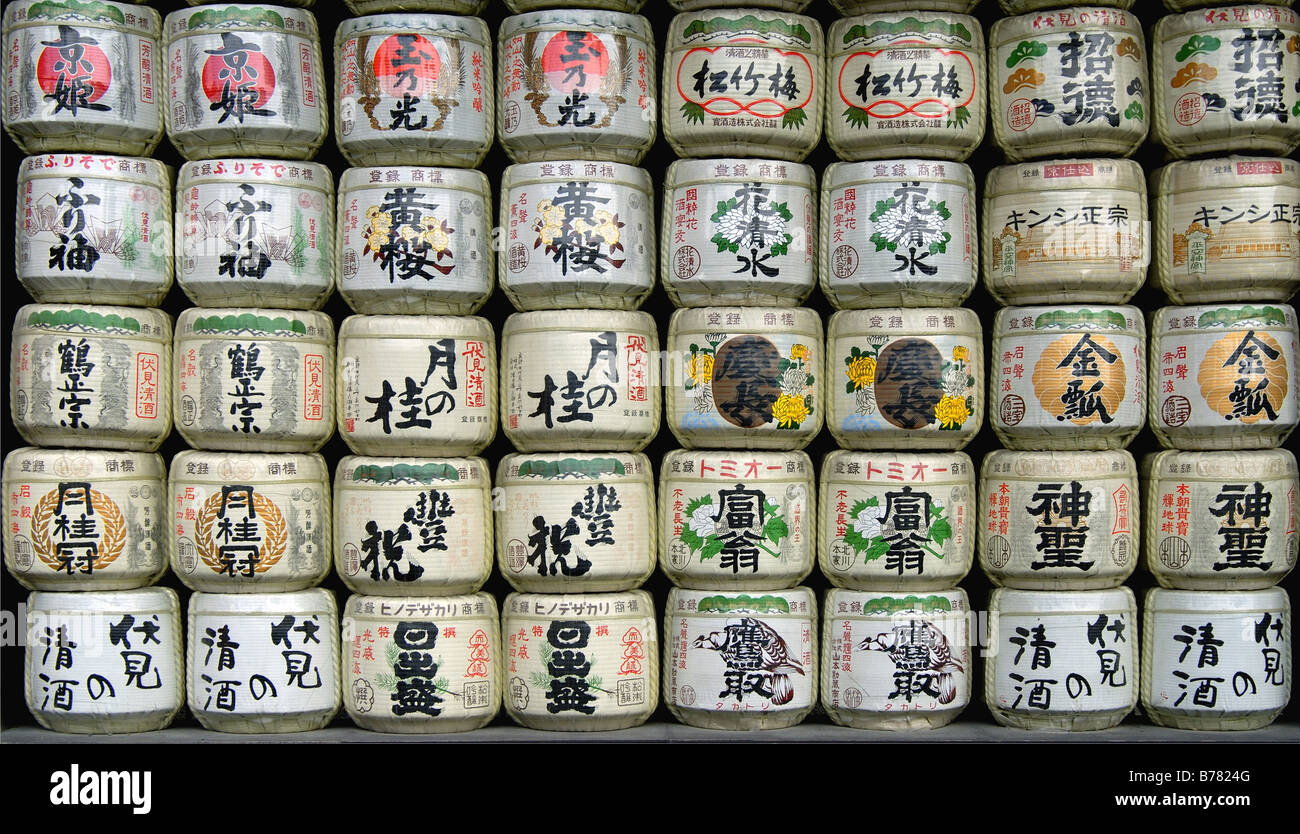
558,342
250,617
715,351
463,635
296,131
87,617
862,558
449,504
1065,616
1242,619
570,679
882,688
754,651
131,407
373,350
127,508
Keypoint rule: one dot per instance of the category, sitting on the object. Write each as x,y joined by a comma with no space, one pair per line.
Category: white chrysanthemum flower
954,381
867,524
866,400
702,523
794,381
904,225
703,399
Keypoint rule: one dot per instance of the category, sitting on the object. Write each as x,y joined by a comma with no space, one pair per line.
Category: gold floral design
789,411
951,412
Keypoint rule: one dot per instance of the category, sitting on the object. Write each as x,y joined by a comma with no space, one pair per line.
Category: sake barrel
263,663
738,232
255,233
249,523
1225,230
575,522
922,249
1070,78
576,83
894,662
1058,521
744,377
1220,521
1225,80
578,235
1022,6
254,379
410,89
628,6
245,80
567,384
896,521
1068,377
83,76
94,229
412,527
1216,660
84,520
739,661
417,386
91,377
905,378
104,661
580,662
736,520
743,82
1065,232
467,7
1062,660
421,664
848,8
414,241
908,83
1224,377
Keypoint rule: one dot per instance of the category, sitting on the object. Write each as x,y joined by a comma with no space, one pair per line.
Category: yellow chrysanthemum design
700,368
799,351
862,371
951,412
960,353
789,411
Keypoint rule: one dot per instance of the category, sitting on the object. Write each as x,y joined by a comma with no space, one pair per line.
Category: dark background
13,710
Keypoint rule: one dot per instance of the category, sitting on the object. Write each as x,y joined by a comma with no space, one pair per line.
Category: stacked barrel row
744,378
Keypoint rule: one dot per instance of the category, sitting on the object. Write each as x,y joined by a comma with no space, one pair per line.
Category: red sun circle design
100,76
571,64
406,53
257,71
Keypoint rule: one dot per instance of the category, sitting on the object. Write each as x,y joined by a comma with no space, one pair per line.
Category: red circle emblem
86,66
407,64
575,61
249,71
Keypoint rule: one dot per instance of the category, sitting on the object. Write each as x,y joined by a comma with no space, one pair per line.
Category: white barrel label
85,663
1216,662
1063,663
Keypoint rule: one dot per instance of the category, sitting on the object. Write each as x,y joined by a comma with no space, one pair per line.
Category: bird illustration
752,645
918,646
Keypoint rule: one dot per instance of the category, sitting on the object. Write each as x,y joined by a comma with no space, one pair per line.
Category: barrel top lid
127,322
591,20
952,30
108,602
62,464
453,606
307,325
1049,175
96,13
430,327
241,17
429,25
1168,599
355,469
310,601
